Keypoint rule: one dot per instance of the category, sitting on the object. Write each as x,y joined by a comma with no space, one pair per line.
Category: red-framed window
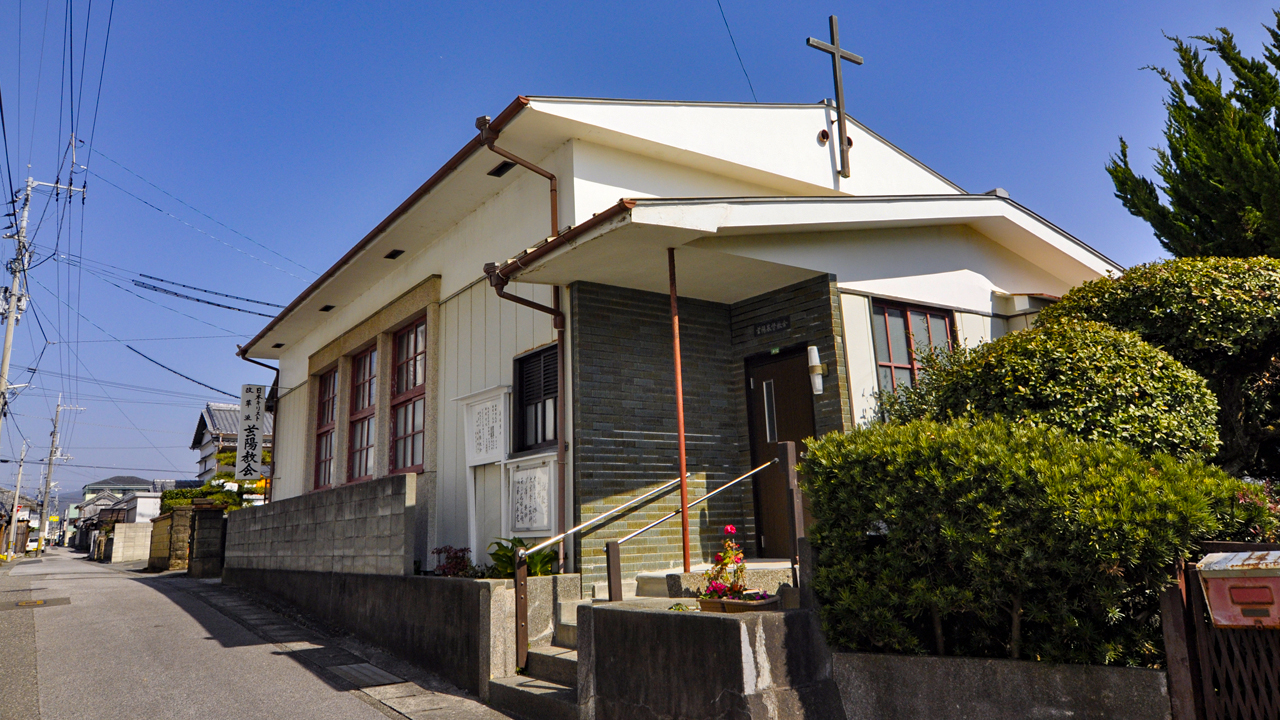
326,415
364,393
537,387
408,397
902,334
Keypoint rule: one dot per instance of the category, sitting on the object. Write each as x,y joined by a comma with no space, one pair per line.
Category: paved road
109,644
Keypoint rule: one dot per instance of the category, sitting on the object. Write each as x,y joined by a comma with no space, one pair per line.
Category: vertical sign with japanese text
250,467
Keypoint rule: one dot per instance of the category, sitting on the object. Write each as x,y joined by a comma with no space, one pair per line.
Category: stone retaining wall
362,528
170,540
902,687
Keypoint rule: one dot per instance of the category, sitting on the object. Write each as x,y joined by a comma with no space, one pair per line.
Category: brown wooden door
780,409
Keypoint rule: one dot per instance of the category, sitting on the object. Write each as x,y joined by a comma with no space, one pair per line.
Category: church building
505,336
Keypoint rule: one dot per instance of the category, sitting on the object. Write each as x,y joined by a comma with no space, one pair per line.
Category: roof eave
503,118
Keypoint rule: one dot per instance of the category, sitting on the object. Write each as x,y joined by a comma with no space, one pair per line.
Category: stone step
533,699
554,664
566,632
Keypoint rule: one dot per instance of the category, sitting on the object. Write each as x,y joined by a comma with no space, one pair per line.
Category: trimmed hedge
1088,378
996,539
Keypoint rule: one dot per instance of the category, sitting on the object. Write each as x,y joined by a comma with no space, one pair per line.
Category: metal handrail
708,496
548,543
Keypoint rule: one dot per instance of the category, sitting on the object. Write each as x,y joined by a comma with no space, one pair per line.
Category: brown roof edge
535,253
506,116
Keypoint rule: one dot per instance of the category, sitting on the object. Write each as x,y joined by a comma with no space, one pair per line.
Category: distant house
217,431
118,486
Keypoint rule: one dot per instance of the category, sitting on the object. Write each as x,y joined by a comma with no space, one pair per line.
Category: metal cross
838,54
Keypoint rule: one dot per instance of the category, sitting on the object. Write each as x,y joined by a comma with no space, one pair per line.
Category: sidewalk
114,643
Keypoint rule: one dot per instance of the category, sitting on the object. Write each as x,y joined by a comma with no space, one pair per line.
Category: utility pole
15,297
13,511
54,454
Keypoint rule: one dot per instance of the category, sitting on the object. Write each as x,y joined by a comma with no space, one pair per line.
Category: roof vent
277,346
326,308
998,192
393,254
502,168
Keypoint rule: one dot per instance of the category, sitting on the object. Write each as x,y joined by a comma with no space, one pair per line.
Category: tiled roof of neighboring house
103,498
221,419
118,482
162,485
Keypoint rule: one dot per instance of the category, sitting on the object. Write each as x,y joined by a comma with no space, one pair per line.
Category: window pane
530,425
886,378
549,419
919,332
897,335
879,338
938,331
902,377
770,413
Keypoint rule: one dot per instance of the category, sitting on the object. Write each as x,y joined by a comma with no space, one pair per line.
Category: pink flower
738,559
719,557
730,530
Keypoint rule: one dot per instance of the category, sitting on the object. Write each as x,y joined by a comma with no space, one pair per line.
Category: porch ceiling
635,256
713,264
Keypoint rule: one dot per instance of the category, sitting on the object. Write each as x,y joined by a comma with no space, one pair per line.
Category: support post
13,512
787,456
522,609
613,565
684,472
1178,649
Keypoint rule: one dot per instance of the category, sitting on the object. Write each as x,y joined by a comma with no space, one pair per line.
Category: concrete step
554,664
533,699
600,590
566,633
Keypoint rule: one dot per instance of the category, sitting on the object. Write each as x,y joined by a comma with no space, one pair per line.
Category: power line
97,103
156,288
206,215
211,292
735,51
157,339
153,302
193,227
117,427
106,467
185,377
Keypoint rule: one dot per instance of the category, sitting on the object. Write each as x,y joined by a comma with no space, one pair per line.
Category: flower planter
727,605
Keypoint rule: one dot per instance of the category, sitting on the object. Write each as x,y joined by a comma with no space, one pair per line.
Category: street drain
31,604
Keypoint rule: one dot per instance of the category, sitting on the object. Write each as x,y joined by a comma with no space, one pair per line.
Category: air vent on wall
393,254
277,346
326,308
502,168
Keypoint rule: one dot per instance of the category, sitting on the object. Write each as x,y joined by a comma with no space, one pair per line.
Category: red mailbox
1242,589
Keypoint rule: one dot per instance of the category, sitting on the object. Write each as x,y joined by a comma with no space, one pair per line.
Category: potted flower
725,589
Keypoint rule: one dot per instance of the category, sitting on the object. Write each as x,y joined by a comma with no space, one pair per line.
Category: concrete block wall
170,540
360,528
132,542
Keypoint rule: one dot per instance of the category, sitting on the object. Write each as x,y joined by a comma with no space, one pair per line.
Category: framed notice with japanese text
485,431
250,467
530,506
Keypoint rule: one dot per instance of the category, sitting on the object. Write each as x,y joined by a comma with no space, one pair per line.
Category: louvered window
537,387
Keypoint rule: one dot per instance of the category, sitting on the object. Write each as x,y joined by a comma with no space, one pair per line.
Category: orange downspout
675,344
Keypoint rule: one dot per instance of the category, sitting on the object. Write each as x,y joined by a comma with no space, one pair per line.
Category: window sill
532,453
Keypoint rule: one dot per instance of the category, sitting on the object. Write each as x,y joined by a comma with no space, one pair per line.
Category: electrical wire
175,372
735,52
166,291
206,215
193,227
211,292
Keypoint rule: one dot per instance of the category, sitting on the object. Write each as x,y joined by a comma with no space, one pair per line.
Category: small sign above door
772,326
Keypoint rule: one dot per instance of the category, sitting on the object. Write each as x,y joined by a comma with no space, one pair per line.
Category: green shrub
1218,316
996,539
169,499
1087,378
503,554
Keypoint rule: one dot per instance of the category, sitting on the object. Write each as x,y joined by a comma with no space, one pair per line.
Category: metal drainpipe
275,422
499,284
489,137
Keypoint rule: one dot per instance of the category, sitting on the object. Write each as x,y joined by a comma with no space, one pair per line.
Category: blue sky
301,125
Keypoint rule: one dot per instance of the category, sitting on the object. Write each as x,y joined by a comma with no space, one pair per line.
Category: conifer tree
1220,171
